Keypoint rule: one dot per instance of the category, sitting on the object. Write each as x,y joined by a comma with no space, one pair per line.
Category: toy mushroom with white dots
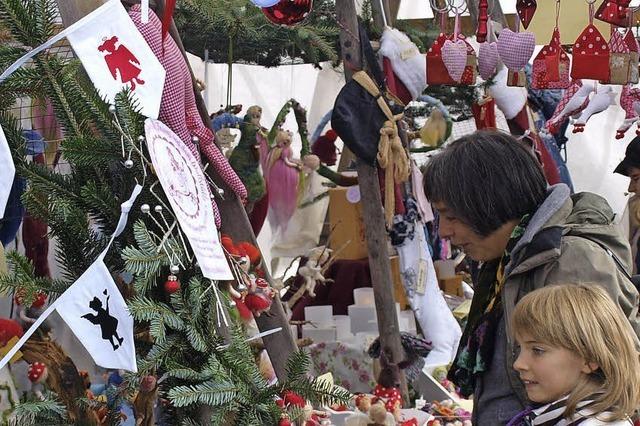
37,374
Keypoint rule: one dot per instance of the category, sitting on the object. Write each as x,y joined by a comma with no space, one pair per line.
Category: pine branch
298,365
211,393
145,309
38,412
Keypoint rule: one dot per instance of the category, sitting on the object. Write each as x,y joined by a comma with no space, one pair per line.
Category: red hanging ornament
526,9
284,420
483,17
172,284
288,12
615,12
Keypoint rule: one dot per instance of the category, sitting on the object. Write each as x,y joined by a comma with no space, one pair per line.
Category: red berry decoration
172,284
288,12
284,420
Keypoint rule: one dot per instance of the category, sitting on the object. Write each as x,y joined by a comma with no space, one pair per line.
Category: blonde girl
577,358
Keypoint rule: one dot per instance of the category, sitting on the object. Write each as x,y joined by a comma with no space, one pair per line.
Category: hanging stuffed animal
178,108
603,98
325,148
282,180
573,101
630,103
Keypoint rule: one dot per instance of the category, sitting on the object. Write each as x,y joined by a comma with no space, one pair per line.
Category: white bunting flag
115,55
7,172
95,311
97,314
183,180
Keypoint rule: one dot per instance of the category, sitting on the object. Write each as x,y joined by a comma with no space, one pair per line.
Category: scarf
553,414
478,340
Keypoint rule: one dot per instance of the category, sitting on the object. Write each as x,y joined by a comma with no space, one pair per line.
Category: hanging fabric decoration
484,113
94,303
288,12
178,109
437,71
614,12
574,99
619,60
630,103
515,49
483,18
551,65
7,171
488,56
454,53
115,57
601,100
526,9
590,54
185,185
634,56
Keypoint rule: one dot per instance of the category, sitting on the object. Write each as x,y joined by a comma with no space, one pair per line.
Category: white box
363,296
321,316
319,334
362,318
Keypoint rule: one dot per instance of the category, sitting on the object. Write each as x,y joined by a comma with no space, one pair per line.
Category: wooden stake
373,216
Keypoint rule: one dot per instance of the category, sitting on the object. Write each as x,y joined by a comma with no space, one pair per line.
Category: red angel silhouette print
121,60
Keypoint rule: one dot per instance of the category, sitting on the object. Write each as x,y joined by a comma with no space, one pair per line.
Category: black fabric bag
356,116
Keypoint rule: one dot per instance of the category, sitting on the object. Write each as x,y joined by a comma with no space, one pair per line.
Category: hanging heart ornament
454,56
526,9
488,59
288,12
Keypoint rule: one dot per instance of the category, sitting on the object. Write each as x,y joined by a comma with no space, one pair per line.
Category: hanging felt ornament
619,60
630,103
488,56
574,99
172,284
603,98
590,53
437,72
484,113
515,50
614,12
454,53
551,66
483,18
526,9
288,12
634,56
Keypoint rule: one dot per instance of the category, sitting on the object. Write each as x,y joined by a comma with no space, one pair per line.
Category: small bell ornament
172,284
288,12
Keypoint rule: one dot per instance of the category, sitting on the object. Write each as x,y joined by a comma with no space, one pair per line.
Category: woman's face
634,180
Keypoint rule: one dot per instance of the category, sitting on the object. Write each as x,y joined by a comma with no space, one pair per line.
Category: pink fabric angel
282,177
178,108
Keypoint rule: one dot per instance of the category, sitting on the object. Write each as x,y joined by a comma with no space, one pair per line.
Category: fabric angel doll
282,180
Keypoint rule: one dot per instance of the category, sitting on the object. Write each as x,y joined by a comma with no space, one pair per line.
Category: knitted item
178,108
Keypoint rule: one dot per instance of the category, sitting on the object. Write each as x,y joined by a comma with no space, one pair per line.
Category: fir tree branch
214,393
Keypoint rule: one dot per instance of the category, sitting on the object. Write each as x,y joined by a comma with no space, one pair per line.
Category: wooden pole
373,216
234,218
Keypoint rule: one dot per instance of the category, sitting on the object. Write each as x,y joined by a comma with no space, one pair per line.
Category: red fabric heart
526,9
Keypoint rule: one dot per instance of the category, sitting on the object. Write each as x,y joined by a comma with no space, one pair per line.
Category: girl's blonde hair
584,320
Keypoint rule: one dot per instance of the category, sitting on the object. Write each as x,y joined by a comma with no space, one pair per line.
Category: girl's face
548,372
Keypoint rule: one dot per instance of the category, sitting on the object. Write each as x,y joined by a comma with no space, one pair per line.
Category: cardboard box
452,285
345,218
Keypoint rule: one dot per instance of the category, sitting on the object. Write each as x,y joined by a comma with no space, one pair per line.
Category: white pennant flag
115,55
95,311
7,171
97,314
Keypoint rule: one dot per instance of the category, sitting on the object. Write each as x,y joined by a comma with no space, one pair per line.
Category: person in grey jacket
494,203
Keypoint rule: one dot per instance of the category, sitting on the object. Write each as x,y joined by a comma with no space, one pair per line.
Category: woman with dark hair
493,202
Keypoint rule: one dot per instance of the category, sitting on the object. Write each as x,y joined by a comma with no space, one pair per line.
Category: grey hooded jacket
564,243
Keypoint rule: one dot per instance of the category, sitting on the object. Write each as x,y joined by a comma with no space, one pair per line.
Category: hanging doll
178,109
317,257
282,180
